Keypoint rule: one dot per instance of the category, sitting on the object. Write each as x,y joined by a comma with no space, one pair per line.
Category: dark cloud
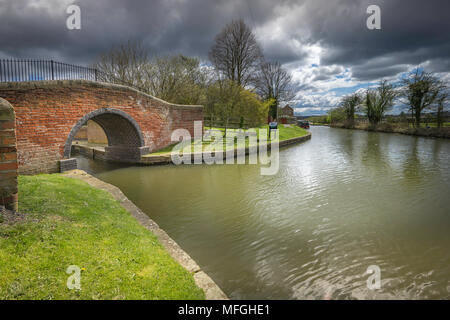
30,29
413,32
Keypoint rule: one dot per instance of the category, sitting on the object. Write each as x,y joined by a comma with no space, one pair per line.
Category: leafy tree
319,119
337,114
226,100
251,109
223,97
421,90
350,104
378,101
178,79
441,100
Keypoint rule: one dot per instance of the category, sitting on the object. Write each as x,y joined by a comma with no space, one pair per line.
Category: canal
341,202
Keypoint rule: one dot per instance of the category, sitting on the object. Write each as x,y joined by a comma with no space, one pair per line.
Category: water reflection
412,167
339,203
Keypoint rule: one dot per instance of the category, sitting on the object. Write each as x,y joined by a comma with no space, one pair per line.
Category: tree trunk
226,126
439,117
417,118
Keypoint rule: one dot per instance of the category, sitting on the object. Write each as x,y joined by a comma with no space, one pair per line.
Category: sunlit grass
285,133
70,223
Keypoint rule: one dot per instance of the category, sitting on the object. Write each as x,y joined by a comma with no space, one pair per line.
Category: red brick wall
8,157
46,111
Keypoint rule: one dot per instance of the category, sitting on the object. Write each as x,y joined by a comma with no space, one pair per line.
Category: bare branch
236,54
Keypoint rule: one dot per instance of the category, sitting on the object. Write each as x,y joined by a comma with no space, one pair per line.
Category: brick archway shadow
125,139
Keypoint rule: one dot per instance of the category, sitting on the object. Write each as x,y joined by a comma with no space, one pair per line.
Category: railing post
95,71
53,72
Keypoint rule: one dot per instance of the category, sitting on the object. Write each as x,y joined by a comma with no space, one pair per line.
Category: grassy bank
66,222
285,132
443,132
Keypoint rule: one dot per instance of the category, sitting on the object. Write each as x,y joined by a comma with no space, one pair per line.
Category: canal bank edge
98,153
167,159
442,133
202,280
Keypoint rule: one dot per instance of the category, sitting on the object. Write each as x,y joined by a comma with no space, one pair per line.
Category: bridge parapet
49,114
8,156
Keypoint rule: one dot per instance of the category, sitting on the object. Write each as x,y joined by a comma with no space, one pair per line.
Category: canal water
341,202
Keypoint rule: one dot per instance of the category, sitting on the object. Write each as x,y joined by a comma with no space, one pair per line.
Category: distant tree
402,117
274,82
350,104
236,54
377,102
421,90
441,100
337,114
319,119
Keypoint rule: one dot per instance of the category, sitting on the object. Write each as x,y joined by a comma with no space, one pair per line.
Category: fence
13,70
233,123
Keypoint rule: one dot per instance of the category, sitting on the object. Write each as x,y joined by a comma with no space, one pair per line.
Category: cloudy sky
324,43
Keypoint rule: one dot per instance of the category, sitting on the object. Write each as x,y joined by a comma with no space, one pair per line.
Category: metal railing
15,70
20,70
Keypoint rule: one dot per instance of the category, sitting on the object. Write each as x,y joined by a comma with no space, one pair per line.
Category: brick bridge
50,113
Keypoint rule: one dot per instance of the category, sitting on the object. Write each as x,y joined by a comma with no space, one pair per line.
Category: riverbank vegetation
237,86
443,132
66,222
423,93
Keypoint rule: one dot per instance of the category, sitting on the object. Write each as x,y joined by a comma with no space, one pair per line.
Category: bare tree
421,90
177,79
236,54
125,64
274,82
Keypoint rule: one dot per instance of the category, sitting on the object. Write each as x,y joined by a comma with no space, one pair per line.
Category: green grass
431,125
70,223
292,132
285,133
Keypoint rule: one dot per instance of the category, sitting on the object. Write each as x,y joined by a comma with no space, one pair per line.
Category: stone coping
202,280
164,158
6,110
46,84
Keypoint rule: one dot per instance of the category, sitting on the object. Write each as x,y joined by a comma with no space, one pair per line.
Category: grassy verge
430,125
67,222
291,132
285,132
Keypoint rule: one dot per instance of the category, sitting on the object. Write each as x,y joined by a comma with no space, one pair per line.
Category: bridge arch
125,139
49,113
